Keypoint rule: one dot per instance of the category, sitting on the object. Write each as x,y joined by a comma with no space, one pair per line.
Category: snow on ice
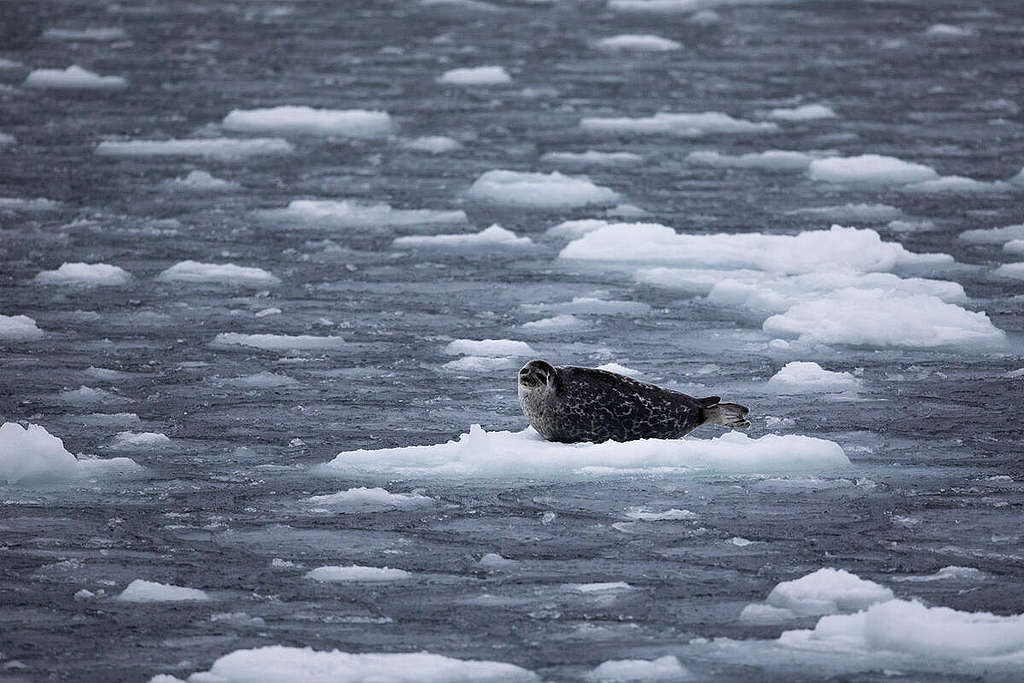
85,274
362,500
141,590
31,455
772,160
592,157
355,123
73,78
277,342
540,190
352,214
223,149
799,377
494,236
661,670
477,75
19,328
637,42
806,112
679,124
357,574
202,181
218,273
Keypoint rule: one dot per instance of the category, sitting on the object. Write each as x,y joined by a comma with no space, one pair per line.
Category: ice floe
73,78
826,591
280,664
689,125
357,573
362,500
489,347
85,274
876,213
355,123
218,273
352,214
19,328
141,590
801,377
806,112
661,670
870,169
277,342
477,75
99,35
637,42
772,160
540,190
435,144
948,31
494,236
994,235
139,440
482,363
950,573
527,455
956,184
31,455
201,181
1014,247
592,157
644,514
224,149
23,204
1014,271
591,305
557,323
84,395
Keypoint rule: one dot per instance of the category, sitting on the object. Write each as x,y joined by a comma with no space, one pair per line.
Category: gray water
925,434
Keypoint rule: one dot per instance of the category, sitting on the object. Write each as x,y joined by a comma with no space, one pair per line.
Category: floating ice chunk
663,669
1014,271
73,78
558,323
435,144
956,184
827,591
218,273
34,456
201,181
762,615
355,123
495,562
494,236
84,34
772,160
1014,247
625,211
525,454
950,573
589,305
570,230
21,204
362,499
237,619
224,149
482,364
673,514
19,328
279,664
599,587
84,395
809,251
592,157
910,226
994,235
868,317
139,440
489,347
806,112
140,590
351,214
683,125
277,342
638,43
8,63
852,212
947,31
705,17
869,169
261,380
7,139
477,75
85,274
620,369
800,377
540,190
357,573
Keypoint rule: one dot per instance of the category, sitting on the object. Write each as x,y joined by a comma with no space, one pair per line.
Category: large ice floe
689,125
73,78
218,273
875,170
494,236
85,274
223,149
526,455
354,123
351,214
540,190
19,328
280,664
31,456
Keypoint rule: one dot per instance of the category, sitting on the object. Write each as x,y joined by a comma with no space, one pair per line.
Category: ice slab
139,440
19,328
827,591
664,669
644,42
870,169
539,190
218,273
592,305
771,160
800,377
223,149
526,455
494,236
23,204
435,144
201,181
557,323
362,500
476,75
73,78
85,274
260,380
100,35
140,590
355,123
689,125
489,348
351,214
806,112
956,184
483,363
357,574
31,455
1014,271
277,342
994,235
592,157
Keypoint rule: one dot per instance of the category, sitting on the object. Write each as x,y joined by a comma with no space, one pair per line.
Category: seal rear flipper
731,415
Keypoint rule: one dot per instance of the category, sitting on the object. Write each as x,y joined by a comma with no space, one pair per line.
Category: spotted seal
571,404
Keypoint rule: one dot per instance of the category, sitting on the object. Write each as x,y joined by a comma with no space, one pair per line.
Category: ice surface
201,181
141,590
539,190
481,454
870,169
798,377
772,160
84,395
483,363
680,124
489,347
477,75
959,185
673,514
139,440
352,214
806,112
1014,247
223,149
218,273
31,455
279,664
592,305
950,573
495,562
73,78
570,230
994,235
19,328
876,213
592,157
667,668
557,323
362,499
85,274
22,204
1014,271
277,342
638,42
948,31
494,236
357,573
435,144
85,34
827,591
290,119
260,380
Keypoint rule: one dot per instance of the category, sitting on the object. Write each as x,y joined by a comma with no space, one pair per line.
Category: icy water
933,433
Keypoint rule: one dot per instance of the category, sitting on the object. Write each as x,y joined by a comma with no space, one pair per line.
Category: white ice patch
592,158
571,230
277,342
620,370
34,456
357,574
800,377
643,514
19,328
956,184
662,670
73,78
139,440
435,144
495,562
85,274
637,43
951,573
948,32
477,75
99,35
289,119
806,112
482,364
84,395
351,214
201,181
140,590
1014,247
772,160
590,305
218,273
877,213
681,124
678,6
223,149
489,347
526,454
539,190
23,204
494,236
869,170
279,664
7,139
826,591
1013,271
994,235
362,500
558,323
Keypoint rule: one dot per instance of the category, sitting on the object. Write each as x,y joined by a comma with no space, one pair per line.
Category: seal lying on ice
571,404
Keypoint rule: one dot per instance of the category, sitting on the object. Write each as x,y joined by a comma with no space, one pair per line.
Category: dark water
213,509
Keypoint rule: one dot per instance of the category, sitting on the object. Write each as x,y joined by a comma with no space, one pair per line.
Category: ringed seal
571,404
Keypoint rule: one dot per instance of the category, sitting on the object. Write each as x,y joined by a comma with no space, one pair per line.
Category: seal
571,404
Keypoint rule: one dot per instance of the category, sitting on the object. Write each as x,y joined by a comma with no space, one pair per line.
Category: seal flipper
731,415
